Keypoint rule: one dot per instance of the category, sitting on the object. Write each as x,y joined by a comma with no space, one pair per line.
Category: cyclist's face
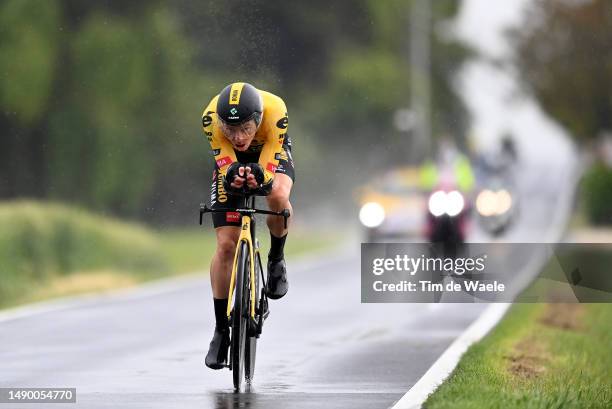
241,135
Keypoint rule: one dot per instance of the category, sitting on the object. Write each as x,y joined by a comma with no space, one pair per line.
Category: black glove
263,189
257,171
232,172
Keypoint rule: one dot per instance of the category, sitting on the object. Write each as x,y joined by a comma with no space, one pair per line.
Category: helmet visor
245,129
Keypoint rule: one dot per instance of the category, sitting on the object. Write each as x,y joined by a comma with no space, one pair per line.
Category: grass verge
189,250
539,356
41,244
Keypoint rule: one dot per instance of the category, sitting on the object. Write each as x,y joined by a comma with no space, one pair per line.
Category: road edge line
447,362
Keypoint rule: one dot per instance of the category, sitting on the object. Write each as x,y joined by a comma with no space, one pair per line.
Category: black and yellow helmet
238,103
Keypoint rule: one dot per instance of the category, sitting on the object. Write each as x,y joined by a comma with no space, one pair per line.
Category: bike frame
247,235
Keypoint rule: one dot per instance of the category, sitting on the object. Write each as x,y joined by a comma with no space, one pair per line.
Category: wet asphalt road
320,348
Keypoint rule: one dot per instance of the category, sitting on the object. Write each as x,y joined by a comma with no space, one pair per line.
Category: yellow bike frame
245,236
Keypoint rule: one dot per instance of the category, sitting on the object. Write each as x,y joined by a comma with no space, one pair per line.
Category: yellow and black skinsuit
271,148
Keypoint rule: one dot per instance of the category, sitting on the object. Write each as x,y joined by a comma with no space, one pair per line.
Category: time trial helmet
238,103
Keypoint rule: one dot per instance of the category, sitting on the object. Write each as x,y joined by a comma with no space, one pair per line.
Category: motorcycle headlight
454,203
486,203
489,203
437,203
371,214
451,203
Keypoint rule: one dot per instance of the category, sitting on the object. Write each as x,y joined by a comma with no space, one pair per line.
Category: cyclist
247,131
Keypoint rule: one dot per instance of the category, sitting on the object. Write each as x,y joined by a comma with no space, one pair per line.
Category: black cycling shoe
217,352
277,285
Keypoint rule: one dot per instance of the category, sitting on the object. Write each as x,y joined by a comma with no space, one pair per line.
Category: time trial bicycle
247,308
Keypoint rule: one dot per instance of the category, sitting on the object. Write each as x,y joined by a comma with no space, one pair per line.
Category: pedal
266,310
263,313
262,309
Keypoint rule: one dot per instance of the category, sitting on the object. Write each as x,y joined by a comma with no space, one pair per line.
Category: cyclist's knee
279,196
226,243
226,248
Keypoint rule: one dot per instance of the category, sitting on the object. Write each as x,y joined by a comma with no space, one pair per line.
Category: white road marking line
440,370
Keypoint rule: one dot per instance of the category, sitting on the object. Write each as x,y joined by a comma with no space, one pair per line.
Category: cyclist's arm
278,122
222,149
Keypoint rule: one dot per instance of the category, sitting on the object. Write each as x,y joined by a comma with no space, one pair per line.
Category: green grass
539,356
40,243
189,250
543,355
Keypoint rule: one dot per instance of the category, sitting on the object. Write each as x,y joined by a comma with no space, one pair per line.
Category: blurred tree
564,55
29,39
98,101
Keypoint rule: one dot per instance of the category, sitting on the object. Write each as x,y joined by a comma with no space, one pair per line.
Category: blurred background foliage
563,53
101,101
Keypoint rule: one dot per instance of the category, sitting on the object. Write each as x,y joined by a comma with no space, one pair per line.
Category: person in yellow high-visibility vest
430,175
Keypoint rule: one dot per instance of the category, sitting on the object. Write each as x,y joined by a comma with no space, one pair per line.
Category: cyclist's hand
255,180
241,177
251,181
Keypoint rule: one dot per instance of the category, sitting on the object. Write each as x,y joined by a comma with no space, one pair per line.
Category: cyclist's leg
278,200
227,231
221,264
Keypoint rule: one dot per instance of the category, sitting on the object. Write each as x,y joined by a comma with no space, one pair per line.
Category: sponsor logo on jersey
271,167
232,217
235,92
222,194
213,191
224,161
207,119
283,122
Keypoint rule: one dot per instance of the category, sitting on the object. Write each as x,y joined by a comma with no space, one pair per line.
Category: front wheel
240,315
251,346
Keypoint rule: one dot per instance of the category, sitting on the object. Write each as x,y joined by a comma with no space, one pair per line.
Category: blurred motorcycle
497,205
447,213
